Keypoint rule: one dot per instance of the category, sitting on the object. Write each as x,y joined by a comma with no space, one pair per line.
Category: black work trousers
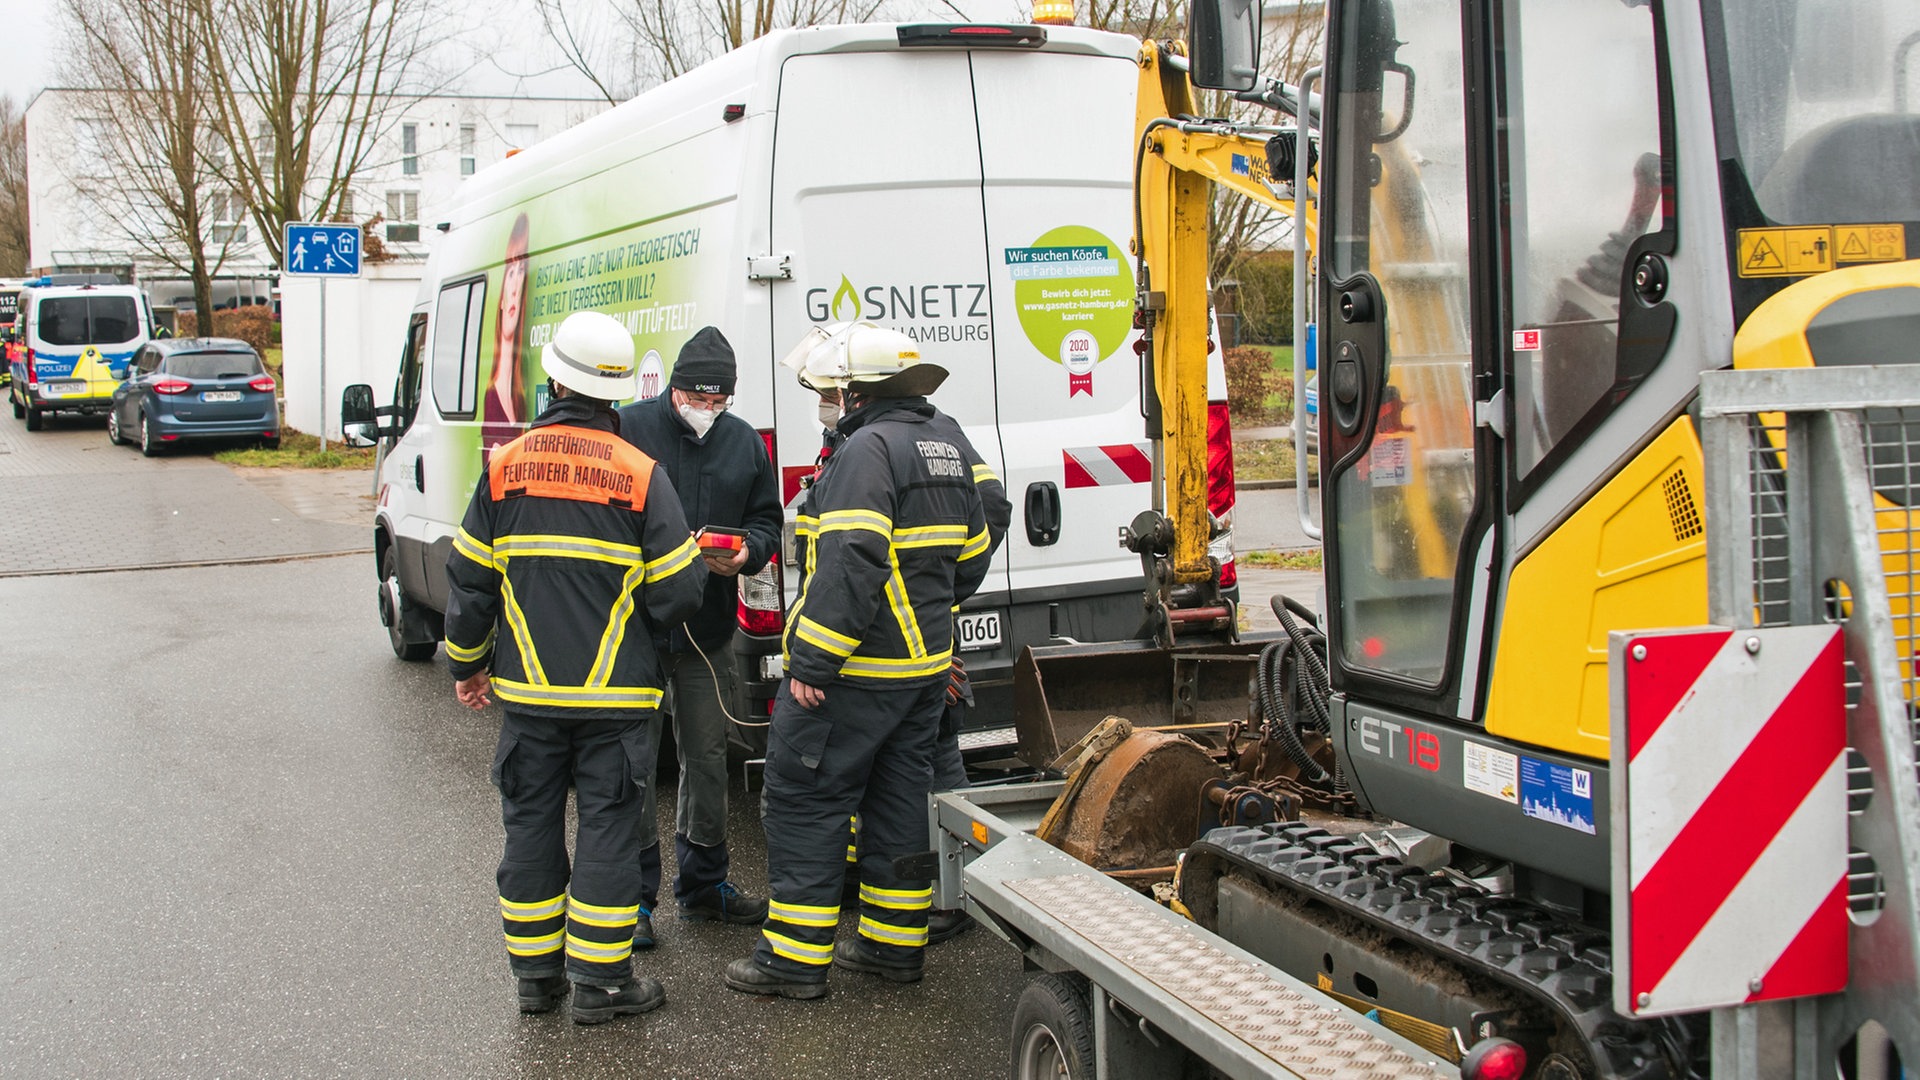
863,751
579,919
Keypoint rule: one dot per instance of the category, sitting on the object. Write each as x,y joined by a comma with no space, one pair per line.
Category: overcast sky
504,67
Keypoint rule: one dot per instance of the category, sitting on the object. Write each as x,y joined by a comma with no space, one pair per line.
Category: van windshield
89,320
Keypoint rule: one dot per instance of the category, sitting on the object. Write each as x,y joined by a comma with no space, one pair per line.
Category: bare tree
13,189
624,46
306,92
148,132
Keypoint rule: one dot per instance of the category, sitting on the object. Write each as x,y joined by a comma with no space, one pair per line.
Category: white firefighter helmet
865,358
592,354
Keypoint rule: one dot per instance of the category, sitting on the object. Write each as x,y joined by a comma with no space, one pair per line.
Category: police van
968,185
76,336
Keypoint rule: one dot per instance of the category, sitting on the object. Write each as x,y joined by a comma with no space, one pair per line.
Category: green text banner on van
975,198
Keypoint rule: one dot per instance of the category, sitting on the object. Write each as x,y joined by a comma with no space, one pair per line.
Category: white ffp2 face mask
829,413
700,420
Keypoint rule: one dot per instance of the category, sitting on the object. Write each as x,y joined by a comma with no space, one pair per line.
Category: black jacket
724,479
572,551
895,534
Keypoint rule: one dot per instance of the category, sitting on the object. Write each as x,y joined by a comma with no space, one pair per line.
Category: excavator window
1583,178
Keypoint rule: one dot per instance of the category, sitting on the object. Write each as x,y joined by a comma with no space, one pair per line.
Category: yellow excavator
1618,313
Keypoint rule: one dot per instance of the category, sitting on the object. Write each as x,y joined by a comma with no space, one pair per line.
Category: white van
75,341
968,185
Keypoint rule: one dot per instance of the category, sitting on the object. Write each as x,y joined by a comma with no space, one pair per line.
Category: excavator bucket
1060,692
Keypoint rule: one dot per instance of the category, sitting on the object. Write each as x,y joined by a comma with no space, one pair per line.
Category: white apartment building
432,145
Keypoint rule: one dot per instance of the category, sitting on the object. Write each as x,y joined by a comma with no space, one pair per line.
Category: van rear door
1055,135
877,195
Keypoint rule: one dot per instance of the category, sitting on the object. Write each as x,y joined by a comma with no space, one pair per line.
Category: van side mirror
1223,44
356,405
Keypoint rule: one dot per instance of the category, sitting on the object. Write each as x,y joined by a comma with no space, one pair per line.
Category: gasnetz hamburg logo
923,312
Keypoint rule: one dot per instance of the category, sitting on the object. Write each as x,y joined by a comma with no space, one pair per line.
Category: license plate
976,630
65,389
221,395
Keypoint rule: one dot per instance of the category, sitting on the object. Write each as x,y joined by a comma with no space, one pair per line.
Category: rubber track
1564,964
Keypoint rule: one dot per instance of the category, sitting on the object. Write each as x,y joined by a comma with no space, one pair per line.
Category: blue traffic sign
322,250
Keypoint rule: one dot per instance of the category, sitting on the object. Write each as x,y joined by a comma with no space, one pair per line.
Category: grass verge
1263,459
1308,559
298,450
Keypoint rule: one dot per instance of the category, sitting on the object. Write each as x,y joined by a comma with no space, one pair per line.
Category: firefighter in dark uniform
949,766
895,537
573,550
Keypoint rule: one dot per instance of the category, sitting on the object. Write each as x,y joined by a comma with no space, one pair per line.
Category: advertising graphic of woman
505,413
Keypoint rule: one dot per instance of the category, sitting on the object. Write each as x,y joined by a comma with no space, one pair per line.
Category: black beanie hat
705,365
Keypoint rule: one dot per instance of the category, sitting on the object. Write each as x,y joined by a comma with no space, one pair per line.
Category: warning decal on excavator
1729,805
1804,250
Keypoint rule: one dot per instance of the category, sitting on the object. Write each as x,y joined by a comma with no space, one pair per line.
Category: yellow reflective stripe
522,637
976,544
673,561
803,914
465,543
805,525
913,937
466,655
612,697
822,638
903,612
798,951
565,547
897,899
596,915
845,520
888,667
601,673
982,474
534,946
853,853
532,911
928,536
599,952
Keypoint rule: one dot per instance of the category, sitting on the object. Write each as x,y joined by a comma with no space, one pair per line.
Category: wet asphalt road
240,839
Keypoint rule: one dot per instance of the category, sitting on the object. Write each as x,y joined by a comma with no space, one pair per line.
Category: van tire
393,601
19,410
36,418
1053,1030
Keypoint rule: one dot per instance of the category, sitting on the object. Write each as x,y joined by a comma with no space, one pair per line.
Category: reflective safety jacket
573,551
895,535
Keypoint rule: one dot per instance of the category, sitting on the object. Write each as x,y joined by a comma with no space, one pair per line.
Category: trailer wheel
1053,1030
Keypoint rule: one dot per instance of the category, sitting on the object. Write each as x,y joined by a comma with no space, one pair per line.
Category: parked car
181,389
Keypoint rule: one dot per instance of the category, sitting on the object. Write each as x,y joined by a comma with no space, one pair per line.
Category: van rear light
971,35
766,436
33,378
171,386
759,610
262,383
1220,489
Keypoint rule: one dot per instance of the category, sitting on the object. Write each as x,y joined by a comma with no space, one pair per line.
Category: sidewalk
72,502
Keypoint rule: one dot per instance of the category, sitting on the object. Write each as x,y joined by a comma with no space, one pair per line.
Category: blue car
182,389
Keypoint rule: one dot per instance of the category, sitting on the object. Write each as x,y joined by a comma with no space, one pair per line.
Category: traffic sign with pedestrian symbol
317,250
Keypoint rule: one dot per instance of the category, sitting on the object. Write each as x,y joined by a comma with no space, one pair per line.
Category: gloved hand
957,682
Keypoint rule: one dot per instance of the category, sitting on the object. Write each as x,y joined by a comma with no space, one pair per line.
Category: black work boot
599,1004
943,924
541,995
858,954
643,930
750,978
724,903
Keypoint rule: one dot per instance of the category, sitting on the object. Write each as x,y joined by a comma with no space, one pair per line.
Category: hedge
253,325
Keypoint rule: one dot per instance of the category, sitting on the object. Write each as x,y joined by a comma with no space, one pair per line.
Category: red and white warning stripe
1100,466
1735,799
